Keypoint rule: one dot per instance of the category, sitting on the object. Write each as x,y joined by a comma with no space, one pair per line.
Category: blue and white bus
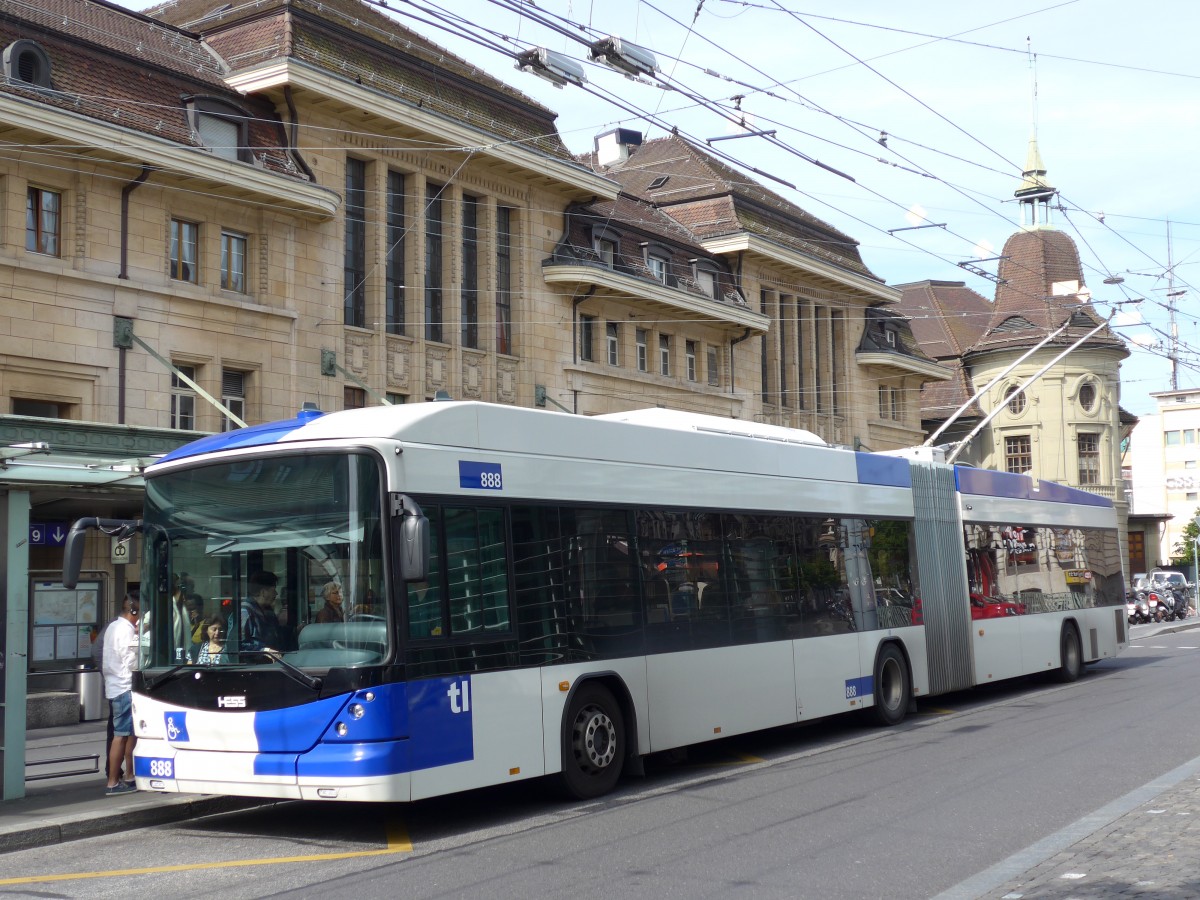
530,593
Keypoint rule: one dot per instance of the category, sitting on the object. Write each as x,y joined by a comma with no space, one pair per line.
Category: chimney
616,146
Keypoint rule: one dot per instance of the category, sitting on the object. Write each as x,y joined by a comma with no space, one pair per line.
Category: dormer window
889,337
657,259
706,278
606,244
27,63
219,127
607,251
658,267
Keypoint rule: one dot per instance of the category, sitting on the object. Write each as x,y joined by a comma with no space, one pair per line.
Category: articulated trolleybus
413,600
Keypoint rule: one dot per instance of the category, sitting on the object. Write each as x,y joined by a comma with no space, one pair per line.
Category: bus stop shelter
53,472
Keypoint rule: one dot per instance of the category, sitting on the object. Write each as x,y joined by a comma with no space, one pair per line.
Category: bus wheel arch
892,684
597,726
1070,653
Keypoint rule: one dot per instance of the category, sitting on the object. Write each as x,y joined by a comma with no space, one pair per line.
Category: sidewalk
70,807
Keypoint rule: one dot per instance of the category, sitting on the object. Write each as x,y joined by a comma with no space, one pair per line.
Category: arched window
1016,402
27,63
1087,396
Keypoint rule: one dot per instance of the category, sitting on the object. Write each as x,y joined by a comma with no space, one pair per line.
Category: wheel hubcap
595,739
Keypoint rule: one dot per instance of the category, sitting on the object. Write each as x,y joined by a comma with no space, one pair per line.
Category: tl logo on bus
460,696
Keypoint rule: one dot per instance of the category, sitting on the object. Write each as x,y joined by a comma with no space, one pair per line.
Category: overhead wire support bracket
983,273
744,134
916,227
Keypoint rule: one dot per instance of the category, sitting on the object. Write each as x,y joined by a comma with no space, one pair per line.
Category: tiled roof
947,316
1040,279
941,399
125,69
356,41
713,199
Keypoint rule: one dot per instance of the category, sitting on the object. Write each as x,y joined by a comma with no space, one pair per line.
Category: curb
51,833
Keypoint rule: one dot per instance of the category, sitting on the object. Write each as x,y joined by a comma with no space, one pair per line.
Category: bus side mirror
413,550
73,547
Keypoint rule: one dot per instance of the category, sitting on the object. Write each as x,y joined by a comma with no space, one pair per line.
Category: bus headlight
356,710
341,729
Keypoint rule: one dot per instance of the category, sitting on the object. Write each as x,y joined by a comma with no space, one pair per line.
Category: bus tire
593,743
891,687
1070,656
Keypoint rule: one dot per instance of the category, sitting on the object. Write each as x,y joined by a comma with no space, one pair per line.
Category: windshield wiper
152,683
293,672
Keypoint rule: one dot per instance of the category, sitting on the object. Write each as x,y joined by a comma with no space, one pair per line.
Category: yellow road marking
397,842
933,711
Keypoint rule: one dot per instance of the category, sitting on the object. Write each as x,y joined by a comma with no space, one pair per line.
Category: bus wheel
893,693
593,743
1071,655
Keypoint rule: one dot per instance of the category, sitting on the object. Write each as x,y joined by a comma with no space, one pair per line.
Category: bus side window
425,597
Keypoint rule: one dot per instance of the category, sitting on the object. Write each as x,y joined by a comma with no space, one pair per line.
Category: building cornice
298,74
123,145
745,242
638,288
930,370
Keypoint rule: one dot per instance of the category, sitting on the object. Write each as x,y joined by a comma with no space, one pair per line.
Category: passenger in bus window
332,610
211,651
260,628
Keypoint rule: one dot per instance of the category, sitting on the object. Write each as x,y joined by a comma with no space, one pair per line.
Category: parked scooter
1137,607
1155,613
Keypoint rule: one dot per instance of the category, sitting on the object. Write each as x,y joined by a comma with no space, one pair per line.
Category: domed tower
1067,425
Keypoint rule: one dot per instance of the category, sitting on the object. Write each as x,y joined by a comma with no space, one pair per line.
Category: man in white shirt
119,661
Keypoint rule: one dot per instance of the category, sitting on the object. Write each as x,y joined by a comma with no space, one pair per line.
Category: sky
954,90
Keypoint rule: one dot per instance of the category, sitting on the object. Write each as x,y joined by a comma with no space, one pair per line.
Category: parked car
1168,578
994,607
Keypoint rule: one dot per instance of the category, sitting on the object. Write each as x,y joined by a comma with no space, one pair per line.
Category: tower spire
1035,191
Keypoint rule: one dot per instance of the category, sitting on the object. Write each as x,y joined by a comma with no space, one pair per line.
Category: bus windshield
273,560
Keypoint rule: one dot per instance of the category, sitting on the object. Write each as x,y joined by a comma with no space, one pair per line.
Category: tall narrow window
470,272
1018,454
504,279
689,356
640,338
821,360
42,222
1089,457
613,343
835,361
233,395
183,400
785,307
764,306
658,268
714,366
397,225
433,261
233,262
802,354
185,251
664,354
587,332
354,282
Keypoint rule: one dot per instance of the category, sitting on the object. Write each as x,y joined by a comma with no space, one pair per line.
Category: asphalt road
835,810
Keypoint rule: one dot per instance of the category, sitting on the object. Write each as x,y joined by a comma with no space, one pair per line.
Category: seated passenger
332,610
211,651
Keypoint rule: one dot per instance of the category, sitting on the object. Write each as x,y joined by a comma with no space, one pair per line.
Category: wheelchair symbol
172,731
